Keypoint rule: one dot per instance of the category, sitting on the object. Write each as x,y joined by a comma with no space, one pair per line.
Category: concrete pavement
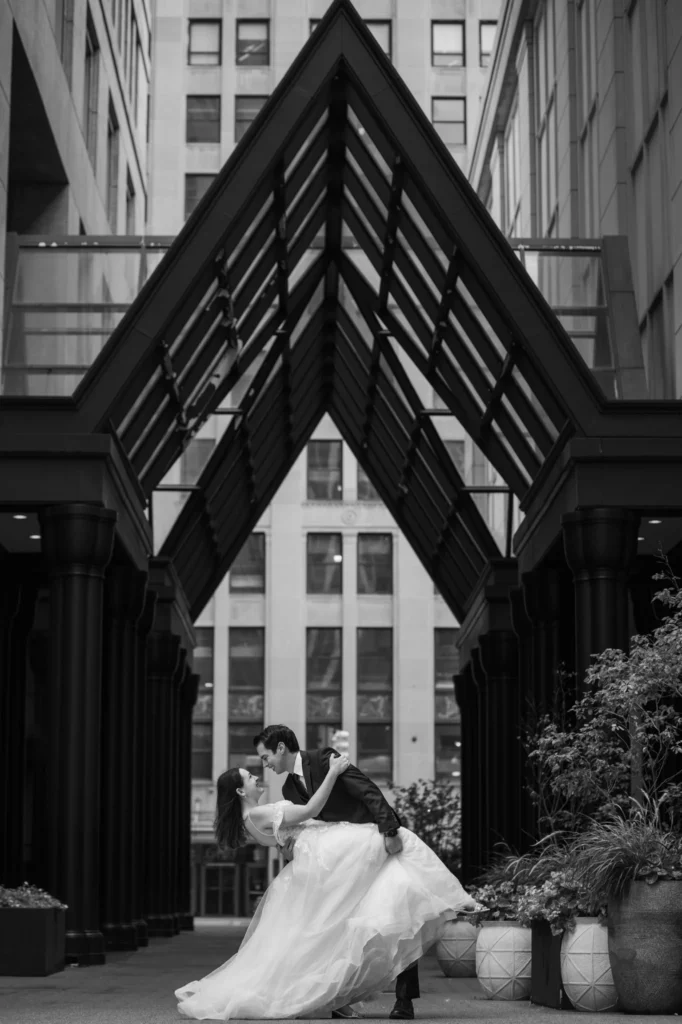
137,988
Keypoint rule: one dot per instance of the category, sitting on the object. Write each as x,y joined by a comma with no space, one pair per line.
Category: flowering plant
559,900
432,810
500,901
28,897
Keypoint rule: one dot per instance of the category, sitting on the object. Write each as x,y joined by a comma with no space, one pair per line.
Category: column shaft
77,543
140,767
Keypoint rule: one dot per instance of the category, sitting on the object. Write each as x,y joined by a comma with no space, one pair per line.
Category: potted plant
432,810
503,945
31,932
608,769
634,864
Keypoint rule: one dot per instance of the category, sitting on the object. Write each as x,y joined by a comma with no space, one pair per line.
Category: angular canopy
339,244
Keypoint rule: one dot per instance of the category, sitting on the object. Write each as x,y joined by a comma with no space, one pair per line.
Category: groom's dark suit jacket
354,797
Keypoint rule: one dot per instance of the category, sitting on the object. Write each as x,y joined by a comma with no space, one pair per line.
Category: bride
337,924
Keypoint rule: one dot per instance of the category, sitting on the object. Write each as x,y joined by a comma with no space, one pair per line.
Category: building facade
580,137
74,88
327,620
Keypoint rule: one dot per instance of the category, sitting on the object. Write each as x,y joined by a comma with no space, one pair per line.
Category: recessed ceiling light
338,558
19,515
640,538
34,536
655,522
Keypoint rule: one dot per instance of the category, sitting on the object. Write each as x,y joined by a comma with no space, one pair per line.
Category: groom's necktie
300,787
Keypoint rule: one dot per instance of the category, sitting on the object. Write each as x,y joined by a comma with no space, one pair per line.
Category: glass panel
323,658
323,707
202,750
381,30
376,708
247,575
366,489
246,707
447,747
247,658
325,475
203,119
242,753
246,109
448,115
203,666
375,751
375,659
324,563
487,31
320,735
194,458
375,563
253,43
196,187
447,44
204,42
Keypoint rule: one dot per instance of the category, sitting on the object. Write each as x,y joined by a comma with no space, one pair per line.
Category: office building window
130,205
246,695
196,187
246,109
324,563
447,44
486,41
546,121
253,43
203,119
381,30
113,142
448,114
366,489
194,458
323,685
205,43
202,715
325,471
63,29
447,717
375,563
91,95
247,575
375,702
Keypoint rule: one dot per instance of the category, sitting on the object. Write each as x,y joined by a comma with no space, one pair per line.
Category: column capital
163,654
77,538
499,654
125,592
600,541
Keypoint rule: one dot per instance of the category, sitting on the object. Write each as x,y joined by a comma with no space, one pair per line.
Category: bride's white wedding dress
337,925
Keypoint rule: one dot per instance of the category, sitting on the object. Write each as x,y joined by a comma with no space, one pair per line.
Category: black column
600,546
522,628
10,593
174,790
499,662
163,652
125,590
140,768
188,697
77,541
466,696
483,843
542,596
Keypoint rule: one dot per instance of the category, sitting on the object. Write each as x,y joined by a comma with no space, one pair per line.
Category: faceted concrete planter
585,967
503,959
456,951
645,947
31,941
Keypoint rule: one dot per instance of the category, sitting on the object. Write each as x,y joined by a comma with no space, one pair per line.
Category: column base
176,923
187,922
86,949
141,932
160,926
120,936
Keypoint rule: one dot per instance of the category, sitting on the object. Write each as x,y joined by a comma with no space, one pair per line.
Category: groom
354,798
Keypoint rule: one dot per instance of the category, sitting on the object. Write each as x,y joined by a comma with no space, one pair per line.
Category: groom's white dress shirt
298,770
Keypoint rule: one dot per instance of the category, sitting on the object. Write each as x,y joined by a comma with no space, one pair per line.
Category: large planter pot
456,951
645,947
503,959
31,941
585,967
546,988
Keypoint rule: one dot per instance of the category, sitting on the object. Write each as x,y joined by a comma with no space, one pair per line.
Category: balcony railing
66,295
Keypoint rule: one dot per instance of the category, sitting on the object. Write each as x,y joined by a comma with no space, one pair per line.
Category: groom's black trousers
407,983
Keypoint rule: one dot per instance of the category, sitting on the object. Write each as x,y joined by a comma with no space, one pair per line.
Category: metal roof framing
260,269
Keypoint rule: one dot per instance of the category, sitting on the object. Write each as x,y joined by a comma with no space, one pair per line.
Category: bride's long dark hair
228,824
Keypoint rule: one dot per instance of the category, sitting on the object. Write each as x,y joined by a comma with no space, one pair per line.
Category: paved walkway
137,988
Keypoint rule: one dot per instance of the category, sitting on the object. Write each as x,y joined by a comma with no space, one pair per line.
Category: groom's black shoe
346,1013
403,1010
